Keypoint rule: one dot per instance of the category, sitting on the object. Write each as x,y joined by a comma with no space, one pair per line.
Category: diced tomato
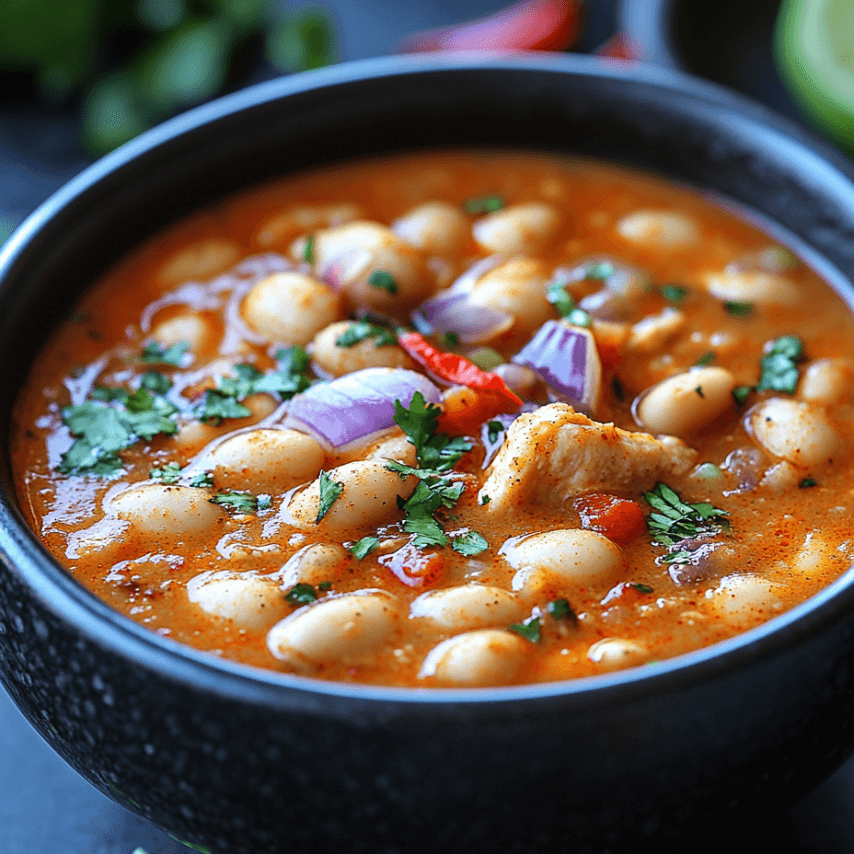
619,519
414,567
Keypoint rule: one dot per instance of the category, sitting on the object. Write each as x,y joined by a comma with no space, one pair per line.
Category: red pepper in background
619,519
530,25
485,395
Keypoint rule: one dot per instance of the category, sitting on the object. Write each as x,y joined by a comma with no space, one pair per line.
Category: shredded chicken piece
556,453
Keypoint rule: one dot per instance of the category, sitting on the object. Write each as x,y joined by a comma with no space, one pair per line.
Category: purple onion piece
567,360
357,405
466,282
453,312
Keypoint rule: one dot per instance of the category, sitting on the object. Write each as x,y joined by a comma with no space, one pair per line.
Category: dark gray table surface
45,807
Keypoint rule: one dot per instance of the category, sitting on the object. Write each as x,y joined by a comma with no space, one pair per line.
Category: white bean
476,659
284,227
199,261
743,599
249,600
653,332
827,382
369,498
551,561
659,229
753,286
395,447
467,607
290,308
685,403
818,554
438,228
338,360
193,435
345,629
519,228
192,328
616,653
313,564
793,430
517,287
154,509
266,460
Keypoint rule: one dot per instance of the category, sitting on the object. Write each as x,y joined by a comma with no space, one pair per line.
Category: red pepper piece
415,568
530,25
619,519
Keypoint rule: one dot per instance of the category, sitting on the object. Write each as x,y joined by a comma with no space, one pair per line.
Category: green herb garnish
565,305
169,473
469,544
217,405
738,309
155,382
741,392
329,492
530,629
676,520
361,330
779,364
301,594
483,204
485,499
599,271
308,250
560,609
434,451
449,340
641,588
673,293
705,359
364,547
155,352
807,482
699,390
383,280
238,501
324,586
493,430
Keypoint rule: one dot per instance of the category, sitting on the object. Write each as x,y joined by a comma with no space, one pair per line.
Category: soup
457,419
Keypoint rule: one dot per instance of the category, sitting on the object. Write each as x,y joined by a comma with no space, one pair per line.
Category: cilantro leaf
203,480
301,594
483,204
494,430
217,405
155,382
427,530
676,521
641,588
169,473
329,492
383,280
364,547
807,482
673,293
530,629
705,359
308,249
155,352
741,392
738,309
469,544
565,305
419,421
560,609
598,271
779,364
237,501
361,330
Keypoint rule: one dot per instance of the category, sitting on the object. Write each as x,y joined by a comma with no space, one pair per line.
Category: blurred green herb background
127,65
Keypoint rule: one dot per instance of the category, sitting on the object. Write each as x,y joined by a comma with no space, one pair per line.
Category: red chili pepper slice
414,567
619,519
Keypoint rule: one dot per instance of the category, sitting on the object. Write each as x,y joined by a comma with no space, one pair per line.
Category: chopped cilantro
738,309
293,360
641,588
218,405
428,532
155,352
155,382
617,388
360,330
236,501
433,450
485,499
530,629
449,340
705,359
779,364
469,544
560,609
673,293
364,547
324,586
383,280
329,492
493,430
203,480
565,305
301,594
676,521
598,271
483,204
308,250
807,482
170,473
699,390
741,392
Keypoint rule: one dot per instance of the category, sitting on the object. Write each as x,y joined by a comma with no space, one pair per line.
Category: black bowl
242,760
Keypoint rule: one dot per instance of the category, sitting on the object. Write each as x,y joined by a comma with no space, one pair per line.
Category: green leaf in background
161,15
113,113
303,41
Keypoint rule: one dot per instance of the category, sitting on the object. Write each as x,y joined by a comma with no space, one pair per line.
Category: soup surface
453,419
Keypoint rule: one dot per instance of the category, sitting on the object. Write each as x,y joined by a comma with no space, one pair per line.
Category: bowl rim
59,593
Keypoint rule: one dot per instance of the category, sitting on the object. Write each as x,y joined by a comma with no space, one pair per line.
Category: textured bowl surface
248,761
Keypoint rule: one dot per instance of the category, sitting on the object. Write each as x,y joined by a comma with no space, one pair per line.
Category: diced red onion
452,311
567,360
342,269
357,405
466,282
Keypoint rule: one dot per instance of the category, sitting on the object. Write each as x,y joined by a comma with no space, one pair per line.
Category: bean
818,554
313,564
828,382
653,332
745,599
519,228
191,327
290,308
438,228
368,499
467,607
346,629
754,287
476,659
338,360
266,460
616,653
249,600
282,228
193,435
395,447
199,261
660,229
551,561
793,430
685,403
158,510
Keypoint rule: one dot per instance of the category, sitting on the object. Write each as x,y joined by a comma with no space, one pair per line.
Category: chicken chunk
556,453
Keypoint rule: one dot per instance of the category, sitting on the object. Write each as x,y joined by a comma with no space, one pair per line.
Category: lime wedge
814,52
